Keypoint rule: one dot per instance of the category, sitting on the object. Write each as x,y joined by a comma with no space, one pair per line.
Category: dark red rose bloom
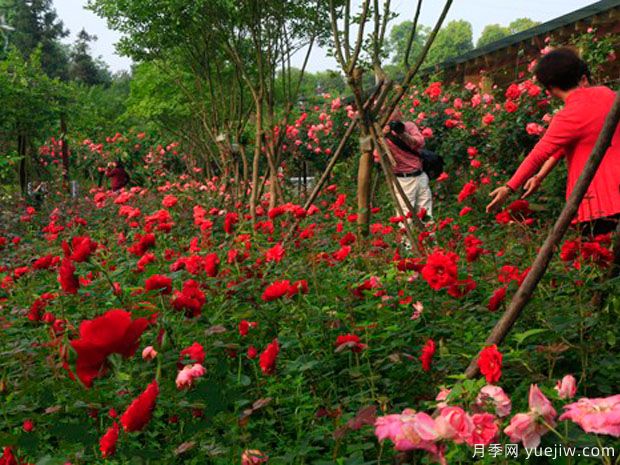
191,299
107,443
7,457
349,341
111,333
230,221
66,277
490,363
244,327
195,352
570,250
140,411
267,360
595,253
468,190
427,355
298,287
508,273
159,282
252,352
276,290
462,287
211,264
81,248
142,244
440,269
496,299
45,262
513,92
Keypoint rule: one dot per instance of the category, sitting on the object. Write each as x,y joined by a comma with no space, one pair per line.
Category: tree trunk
256,161
65,150
21,151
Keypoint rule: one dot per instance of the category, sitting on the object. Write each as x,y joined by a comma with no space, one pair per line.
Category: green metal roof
570,18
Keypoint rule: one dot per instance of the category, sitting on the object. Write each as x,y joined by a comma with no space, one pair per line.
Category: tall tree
521,24
492,33
37,25
399,36
452,40
83,68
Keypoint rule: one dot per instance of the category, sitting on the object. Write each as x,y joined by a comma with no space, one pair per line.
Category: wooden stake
525,291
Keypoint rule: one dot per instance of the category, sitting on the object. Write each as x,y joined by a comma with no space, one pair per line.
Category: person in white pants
408,167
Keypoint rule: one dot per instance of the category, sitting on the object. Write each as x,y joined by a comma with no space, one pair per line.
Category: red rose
440,269
191,299
230,220
211,263
490,363
67,278
468,190
107,443
497,298
113,332
349,341
427,355
268,358
159,282
139,412
195,352
142,245
81,248
276,290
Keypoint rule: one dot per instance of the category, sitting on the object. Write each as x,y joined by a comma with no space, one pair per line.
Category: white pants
418,192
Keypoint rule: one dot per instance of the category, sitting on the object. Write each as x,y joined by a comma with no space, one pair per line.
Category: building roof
544,28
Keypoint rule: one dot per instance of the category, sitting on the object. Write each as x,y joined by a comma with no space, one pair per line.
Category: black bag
432,164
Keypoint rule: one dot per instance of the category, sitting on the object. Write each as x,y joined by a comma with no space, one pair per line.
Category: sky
478,12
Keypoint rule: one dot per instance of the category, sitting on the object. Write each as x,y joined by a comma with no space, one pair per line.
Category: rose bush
220,342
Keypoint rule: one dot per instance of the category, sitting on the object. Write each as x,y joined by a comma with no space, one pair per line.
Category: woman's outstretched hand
531,186
499,197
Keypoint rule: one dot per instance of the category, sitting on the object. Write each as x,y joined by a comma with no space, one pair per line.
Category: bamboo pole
528,286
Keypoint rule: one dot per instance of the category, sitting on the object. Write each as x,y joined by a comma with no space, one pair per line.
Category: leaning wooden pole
525,291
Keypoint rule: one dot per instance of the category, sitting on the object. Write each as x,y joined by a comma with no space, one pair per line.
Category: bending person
572,133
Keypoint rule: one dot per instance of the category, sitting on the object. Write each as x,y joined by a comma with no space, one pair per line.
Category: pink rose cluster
412,430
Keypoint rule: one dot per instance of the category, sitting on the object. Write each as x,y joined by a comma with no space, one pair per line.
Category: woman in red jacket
572,133
118,176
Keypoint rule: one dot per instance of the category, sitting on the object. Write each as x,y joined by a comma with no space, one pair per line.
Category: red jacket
118,178
572,133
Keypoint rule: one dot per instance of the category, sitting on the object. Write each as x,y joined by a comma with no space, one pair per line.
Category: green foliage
454,39
491,33
36,26
399,37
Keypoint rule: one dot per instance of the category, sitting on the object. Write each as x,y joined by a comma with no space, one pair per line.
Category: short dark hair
561,68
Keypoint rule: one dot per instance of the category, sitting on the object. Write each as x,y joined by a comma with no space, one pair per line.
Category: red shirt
572,133
405,161
118,178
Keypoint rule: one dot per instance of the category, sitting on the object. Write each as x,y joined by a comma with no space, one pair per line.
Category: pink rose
540,405
600,415
189,373
454,423
253,457
523,428
529,427
567,387
534,129
441,397
408,431
485,429
149,353
495,396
